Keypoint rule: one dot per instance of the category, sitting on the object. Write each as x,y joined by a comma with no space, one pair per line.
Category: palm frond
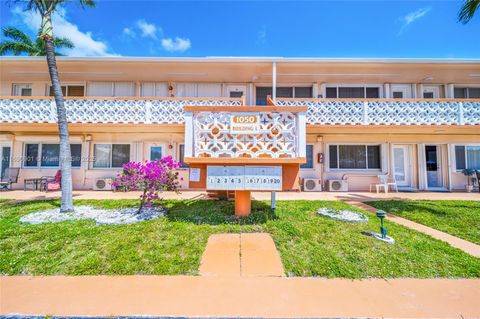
16,48
17,35
63,43
468,10
87,3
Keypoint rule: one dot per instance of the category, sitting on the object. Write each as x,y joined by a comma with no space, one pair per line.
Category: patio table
34,182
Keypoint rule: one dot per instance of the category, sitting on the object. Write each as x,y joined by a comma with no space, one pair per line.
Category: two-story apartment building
417,120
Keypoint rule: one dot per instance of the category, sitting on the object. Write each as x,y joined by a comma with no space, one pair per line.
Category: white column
274,82
323,90
251,94
302,134
386,90
189,140
449,91
315,90
420,89
414,91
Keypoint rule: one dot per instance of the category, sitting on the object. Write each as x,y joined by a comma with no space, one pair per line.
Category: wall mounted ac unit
312,185
103,184
337,185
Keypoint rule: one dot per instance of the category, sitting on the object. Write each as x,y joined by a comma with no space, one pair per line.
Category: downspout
274,82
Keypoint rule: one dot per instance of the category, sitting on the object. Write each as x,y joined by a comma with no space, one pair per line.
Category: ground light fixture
381,214
383,235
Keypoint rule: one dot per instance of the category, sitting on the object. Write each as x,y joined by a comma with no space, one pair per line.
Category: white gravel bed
100,215
343,215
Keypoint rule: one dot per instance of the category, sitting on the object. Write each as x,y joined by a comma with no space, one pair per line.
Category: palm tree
468,10
20,43
46,8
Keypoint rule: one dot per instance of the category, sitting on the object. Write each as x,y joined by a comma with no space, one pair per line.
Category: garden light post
383,231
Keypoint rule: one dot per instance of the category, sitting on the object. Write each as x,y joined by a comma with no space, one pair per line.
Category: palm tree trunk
65,155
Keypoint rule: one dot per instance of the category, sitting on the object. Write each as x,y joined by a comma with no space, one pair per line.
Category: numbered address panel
227,178
244,178
263,178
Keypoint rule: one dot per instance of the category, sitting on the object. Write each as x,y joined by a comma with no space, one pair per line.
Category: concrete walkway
247,254
352,196
466,246
234,296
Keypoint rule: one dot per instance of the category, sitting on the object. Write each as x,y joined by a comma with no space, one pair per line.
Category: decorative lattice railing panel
167,111
276,137
388,112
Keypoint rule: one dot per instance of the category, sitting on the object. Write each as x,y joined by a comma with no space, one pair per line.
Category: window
428,95
466,93
159,89
181,155
467,157
48,155
354,157
397,94
155,153
236,93
354,92
110,155
111,89
24,89
309,155
282,92
70,90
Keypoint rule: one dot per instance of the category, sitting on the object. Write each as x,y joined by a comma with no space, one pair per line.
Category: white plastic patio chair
392,183
382,182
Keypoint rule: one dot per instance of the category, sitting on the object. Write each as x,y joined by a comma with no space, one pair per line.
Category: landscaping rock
100,215
343,215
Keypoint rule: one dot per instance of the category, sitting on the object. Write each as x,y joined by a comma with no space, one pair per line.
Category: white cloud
412,17
147,29
85,44
129,32
176,45
262,36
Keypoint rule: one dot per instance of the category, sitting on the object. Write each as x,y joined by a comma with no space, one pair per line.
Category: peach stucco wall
142,137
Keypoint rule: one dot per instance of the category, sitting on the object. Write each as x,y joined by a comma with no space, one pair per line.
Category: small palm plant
468,172
468,10
20,43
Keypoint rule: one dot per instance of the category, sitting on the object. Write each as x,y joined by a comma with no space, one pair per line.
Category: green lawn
3,200
460,218
310,245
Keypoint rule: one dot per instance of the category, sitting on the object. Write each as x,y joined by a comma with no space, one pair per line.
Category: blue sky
271,28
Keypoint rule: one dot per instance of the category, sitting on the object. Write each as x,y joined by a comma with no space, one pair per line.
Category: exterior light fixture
383,230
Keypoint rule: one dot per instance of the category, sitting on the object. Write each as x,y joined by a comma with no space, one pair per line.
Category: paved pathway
247,254
466,246
235,296
352,196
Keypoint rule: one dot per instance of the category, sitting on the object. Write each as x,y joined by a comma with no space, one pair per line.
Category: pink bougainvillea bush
151,177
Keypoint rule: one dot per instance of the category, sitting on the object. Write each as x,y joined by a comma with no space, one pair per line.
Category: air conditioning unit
312,185
337,185
103,184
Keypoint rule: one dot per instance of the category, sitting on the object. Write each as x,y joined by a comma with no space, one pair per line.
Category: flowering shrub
150,177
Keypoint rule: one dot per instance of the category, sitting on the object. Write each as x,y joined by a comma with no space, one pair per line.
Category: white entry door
401,164
433,162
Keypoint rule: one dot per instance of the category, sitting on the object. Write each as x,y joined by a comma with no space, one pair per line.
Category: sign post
245,149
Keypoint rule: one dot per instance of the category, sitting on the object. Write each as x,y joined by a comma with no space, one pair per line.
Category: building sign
194,174
244,123
244,178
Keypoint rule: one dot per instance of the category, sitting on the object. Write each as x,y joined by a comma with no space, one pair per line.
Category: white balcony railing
388,111
170,110
105,110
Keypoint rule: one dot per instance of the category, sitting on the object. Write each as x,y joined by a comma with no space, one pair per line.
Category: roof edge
233,59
